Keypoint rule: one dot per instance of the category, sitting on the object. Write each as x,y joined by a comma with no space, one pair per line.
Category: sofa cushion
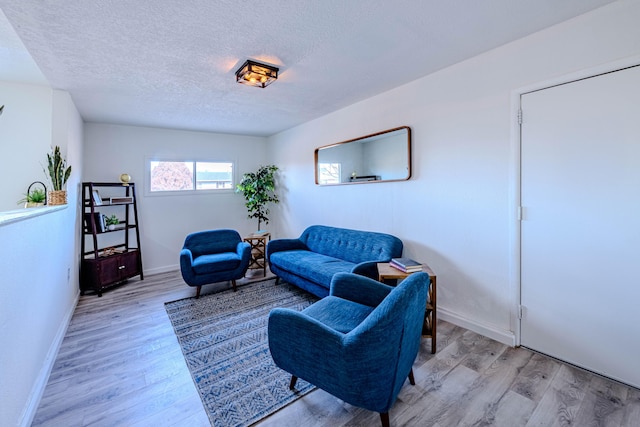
339,314
212,263
311,265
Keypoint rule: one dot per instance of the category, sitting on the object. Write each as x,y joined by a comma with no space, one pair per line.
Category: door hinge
520,116
520,213
520,311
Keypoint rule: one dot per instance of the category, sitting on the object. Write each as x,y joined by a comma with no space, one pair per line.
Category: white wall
25,133
166,220
457,213
38,268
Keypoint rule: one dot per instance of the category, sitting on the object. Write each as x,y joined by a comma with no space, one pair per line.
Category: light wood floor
120,365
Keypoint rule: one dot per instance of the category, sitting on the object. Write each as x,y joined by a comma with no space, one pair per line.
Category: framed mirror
380,157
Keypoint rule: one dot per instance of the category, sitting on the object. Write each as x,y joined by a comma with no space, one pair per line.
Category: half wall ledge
8,217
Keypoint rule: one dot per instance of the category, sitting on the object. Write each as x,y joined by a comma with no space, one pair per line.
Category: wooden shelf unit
105,265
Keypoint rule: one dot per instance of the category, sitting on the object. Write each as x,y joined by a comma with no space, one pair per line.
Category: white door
580,236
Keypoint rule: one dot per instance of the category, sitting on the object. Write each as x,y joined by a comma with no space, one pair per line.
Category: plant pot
111,227
33,205
57,197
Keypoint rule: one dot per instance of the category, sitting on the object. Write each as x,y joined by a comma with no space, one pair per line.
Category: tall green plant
58,171
258,190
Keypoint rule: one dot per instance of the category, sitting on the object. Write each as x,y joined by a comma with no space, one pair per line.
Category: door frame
515,181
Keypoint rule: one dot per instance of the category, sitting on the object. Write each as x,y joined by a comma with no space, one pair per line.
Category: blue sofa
311,260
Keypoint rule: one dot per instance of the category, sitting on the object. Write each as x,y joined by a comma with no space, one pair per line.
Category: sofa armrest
280,245
367,269
359,289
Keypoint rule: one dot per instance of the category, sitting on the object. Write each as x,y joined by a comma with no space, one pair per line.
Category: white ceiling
172,64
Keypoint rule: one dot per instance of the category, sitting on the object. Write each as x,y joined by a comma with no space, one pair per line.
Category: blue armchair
359,343
213,256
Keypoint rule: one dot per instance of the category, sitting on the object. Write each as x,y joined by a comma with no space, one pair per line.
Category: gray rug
224,341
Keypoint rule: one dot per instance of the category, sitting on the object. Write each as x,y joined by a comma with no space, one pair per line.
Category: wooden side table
385,271
258,251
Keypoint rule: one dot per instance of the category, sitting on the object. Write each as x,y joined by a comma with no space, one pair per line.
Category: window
214,176
190,176
329,173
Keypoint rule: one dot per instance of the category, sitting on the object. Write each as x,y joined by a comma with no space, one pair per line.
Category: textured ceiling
171,64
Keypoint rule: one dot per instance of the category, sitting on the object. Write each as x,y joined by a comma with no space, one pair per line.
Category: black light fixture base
256,74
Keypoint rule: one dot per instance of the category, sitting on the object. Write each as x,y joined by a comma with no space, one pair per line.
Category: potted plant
112,221
34,198
59,173
258,190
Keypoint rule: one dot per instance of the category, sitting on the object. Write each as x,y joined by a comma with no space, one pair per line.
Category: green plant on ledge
35,197
258,190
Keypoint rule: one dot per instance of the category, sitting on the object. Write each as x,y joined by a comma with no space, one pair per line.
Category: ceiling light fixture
256,74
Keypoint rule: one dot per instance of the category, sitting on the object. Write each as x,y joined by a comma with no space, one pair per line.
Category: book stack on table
406,265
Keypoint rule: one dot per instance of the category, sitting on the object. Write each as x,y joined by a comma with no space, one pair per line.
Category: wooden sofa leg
198,292
292,384
233,282
384,418
277,280
412,380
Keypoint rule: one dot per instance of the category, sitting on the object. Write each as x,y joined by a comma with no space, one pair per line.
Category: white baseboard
47,365
503,336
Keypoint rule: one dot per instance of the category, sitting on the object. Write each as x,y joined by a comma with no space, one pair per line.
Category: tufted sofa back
351,245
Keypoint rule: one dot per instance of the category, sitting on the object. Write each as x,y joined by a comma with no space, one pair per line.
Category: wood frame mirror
379,157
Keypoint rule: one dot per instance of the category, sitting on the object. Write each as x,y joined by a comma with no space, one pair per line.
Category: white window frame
194,190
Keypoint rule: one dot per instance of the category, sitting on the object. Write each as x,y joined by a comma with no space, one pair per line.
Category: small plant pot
33,205
111,227
57,197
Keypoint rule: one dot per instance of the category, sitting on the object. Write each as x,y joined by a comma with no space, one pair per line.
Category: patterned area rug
224,341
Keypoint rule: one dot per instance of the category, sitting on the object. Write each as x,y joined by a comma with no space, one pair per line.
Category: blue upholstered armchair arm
280,245
243,249
359,289
186,259
290,331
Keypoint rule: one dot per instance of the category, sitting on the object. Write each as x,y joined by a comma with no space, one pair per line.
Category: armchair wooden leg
292,384
233,282
385,419
412,380
198,292
277,280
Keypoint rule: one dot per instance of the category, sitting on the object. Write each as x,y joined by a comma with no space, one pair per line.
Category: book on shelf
406,265
99,221
96,198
